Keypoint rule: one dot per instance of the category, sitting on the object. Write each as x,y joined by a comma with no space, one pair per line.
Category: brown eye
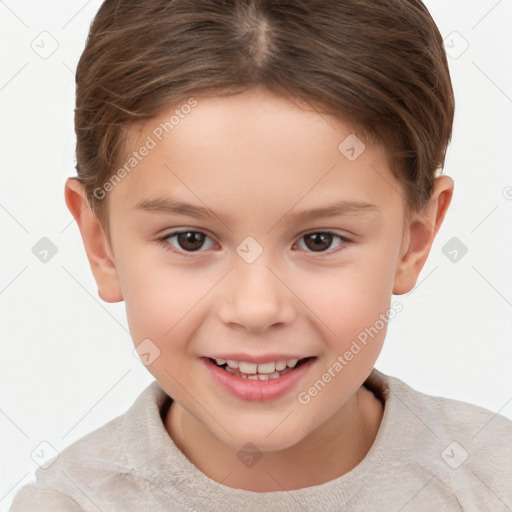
318,241
190,240
183,242
321,241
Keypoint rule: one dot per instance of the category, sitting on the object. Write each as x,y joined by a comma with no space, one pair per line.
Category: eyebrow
170,206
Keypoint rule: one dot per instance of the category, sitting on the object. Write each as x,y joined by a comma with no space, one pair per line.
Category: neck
333,449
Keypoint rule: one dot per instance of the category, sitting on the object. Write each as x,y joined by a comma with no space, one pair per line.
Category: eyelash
164,242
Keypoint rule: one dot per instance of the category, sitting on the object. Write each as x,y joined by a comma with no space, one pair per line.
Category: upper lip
261,359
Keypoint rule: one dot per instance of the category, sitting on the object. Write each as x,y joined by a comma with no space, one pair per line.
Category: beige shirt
431,454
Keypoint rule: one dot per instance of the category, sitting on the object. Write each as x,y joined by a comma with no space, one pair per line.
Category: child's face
253,287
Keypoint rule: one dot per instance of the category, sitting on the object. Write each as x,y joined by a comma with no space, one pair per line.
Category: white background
67,365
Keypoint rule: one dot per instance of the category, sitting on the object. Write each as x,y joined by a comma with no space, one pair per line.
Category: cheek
352,304
156,300
350,296
161,308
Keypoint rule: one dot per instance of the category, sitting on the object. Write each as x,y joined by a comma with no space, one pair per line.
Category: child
220,145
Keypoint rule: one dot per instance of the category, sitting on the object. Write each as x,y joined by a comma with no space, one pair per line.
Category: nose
254,297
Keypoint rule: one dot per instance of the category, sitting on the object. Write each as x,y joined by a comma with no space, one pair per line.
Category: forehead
256,150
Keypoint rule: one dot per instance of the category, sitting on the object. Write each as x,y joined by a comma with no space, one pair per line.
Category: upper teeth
253,368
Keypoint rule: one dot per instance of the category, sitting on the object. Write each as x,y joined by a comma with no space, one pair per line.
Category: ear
419,234
96,243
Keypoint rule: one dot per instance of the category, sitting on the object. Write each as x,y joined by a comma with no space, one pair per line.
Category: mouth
262,371
258,382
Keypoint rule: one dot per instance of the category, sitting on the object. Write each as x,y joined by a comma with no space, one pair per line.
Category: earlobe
420,234
96,244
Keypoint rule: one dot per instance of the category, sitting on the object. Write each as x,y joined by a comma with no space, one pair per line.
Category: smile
263,371
249,382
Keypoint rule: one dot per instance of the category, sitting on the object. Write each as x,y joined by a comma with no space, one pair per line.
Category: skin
259,159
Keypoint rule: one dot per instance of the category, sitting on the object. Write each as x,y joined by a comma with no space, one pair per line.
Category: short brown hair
379,65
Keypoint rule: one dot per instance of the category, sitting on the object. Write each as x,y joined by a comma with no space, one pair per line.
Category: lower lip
257,390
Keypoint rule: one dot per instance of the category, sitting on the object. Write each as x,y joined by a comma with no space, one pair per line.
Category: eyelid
331,231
